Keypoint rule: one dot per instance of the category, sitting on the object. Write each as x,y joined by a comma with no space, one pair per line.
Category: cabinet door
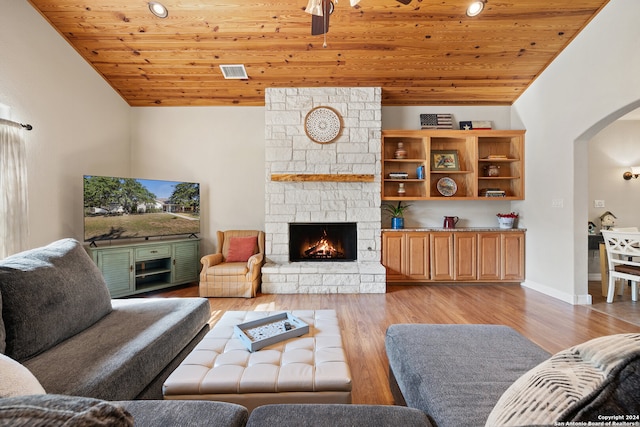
441,256
186,262
489,255
464,246
417,250
392,254
513,256
116,266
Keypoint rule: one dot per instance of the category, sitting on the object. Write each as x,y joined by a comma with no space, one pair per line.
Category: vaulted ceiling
425,53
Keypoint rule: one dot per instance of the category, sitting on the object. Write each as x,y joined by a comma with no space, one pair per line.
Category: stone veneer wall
290,151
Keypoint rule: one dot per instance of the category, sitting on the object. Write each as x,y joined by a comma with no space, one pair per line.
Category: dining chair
621,247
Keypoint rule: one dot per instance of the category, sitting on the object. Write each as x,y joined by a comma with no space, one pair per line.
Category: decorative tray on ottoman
260,333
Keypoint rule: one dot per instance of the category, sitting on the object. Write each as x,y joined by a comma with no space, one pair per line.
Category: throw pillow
573,384
53,410
241,248
48,295
17,380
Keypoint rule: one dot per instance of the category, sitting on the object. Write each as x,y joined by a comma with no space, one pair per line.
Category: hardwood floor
622,306
552,324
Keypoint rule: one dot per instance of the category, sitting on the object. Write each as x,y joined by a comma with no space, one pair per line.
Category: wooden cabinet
406,256
465,257
453,256
512,246
417,245
143,267
489,265
441,256
501,256
394,255
476,152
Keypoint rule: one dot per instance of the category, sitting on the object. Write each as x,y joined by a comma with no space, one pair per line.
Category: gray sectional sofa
477,375
59,321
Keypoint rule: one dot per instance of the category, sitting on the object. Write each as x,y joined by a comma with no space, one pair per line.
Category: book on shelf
436,121
398,175
496,157
492,192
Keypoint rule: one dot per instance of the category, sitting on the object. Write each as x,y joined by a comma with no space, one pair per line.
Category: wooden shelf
472,149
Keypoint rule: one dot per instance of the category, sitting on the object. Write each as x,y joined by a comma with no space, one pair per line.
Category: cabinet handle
131,268
154,252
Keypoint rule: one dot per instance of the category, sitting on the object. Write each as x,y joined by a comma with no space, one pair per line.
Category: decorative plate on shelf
447,187
323,125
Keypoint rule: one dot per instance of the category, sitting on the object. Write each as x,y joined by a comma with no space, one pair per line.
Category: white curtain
13,190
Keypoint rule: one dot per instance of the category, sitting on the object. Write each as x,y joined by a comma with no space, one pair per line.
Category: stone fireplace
309,183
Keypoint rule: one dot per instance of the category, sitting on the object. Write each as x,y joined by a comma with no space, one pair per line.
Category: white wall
611,153
222,148
80,124
591,83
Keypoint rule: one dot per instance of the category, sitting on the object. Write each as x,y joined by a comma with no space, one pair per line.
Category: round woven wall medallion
323,125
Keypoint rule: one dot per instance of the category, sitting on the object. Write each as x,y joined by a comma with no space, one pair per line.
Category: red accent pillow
241,248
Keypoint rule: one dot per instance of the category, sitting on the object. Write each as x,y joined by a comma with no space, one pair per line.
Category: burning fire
323,248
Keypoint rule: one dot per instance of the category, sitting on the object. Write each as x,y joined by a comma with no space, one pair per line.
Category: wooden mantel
292,177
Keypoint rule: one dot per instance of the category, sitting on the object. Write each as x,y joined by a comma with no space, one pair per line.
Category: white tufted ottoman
309,369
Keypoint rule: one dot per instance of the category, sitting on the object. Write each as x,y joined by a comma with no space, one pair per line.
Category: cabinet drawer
153,252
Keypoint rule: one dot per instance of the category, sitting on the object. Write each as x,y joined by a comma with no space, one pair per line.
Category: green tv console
134,268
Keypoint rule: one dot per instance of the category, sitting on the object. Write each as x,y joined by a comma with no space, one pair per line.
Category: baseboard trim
562,296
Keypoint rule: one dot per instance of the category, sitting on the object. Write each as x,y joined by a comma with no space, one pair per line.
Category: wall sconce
635,172
475,8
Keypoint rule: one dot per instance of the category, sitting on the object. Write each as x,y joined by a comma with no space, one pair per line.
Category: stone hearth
324,184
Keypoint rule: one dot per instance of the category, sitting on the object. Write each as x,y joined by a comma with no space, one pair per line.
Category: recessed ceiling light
475,8
158,9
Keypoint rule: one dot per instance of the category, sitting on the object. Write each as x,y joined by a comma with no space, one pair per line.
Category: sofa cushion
229,269
581,383
241,248
457,373
54,410
191,413
48,295
16,380
335,415
117,357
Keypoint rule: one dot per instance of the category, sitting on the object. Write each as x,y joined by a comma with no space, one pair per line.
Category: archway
581,192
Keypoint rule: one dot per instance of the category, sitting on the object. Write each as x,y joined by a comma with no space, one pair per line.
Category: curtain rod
26,126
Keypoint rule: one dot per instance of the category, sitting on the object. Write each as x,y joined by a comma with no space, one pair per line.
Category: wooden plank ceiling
425,53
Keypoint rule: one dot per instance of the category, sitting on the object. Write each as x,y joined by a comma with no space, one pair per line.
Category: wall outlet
557,203
598,203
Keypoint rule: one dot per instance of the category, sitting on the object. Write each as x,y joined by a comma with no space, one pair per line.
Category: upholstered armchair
235,270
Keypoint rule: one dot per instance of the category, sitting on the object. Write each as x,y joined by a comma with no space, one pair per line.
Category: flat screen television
129,208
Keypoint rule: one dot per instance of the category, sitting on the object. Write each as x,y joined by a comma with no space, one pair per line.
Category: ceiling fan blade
320,24
404,1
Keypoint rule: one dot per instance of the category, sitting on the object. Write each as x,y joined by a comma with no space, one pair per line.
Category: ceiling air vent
235,71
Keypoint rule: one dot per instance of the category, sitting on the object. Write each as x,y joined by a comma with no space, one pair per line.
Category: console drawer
153,252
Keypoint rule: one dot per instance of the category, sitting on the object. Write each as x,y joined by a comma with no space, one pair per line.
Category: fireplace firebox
326,241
